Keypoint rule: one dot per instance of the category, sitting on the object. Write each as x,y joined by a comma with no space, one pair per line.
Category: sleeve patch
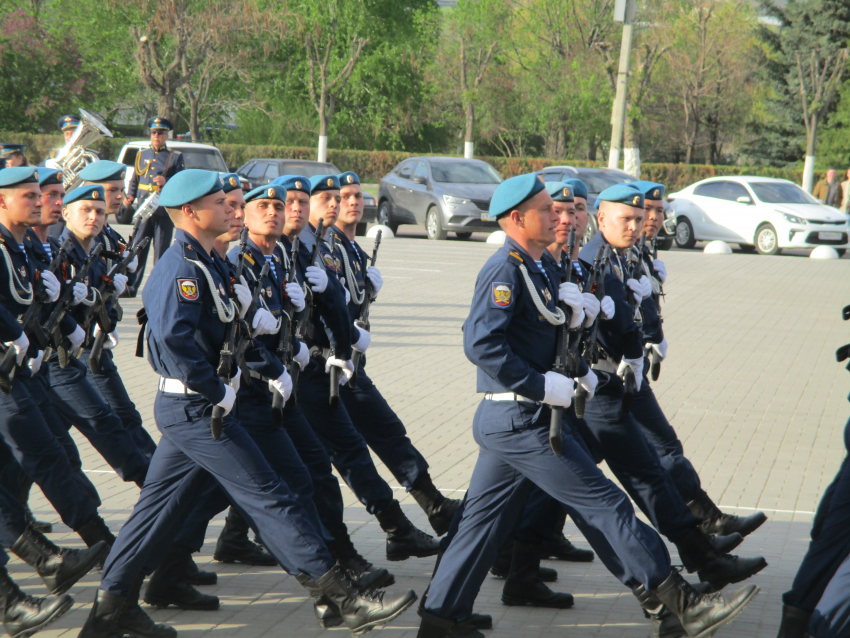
187,290
502,294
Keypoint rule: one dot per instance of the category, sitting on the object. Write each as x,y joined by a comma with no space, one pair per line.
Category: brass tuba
74,156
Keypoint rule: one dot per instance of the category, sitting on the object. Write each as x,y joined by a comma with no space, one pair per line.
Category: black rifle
333,396
284,344
562,365
245,333
654,357
30,322
633,265
304,326
362,322
595,286
98,310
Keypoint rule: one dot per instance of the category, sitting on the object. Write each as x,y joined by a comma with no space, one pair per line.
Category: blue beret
103,171
159,124
578,186
49,176
7,149
67,122
560,192
348,178
650,190
231,181
91,192
622,194
188,185
269,191
16,175
320,183
513,192
294,183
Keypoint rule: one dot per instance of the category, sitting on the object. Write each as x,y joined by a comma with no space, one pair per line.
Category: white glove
131,267
571,295
228,400
660,270
20,345
236,380
317,278
661,348
119,281
588,382
637,367
296,296
51,285
112,340
558,389
77,337
264,323
243,296
363,342
346,369
374,275
81,291
641,288
302,358
607,307
345,288
591,308
283,385
35,364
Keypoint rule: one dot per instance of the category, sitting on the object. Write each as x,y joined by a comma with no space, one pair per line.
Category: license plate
486,217
830,236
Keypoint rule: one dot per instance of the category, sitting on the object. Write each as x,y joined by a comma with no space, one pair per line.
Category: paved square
751,385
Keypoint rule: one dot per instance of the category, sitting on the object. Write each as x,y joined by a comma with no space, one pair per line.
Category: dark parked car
446,194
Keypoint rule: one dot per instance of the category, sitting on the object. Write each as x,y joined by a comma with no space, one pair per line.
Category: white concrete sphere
497,237
717,248
824,252
386,232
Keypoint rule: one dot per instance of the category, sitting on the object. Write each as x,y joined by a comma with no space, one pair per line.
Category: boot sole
732,546
84,568
717,586
514,601
160,603
707,633
63,609
362,629
570,558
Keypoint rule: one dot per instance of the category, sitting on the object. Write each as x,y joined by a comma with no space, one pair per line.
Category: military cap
17,175
91,192
231,181
622,194
578,187
513,192
67,122
269,191
560,192
319,183
294,183
49,176
188,185
650,190
159,124
7,149
103,171
348,178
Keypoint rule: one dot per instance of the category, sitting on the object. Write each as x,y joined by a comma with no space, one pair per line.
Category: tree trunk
194,123
468,139
165,106
591,148
322,155
631,148
809,165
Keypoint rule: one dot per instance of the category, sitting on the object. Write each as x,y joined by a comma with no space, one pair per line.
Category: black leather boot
725,544
58,568
435,627
523,587
23,499
439,509
363,573
113,615
94,531
168,586
234,546
716,522
403,539
25,615
699,555
478,621
502,567
560,548
191,572
795,622
665,624
360,612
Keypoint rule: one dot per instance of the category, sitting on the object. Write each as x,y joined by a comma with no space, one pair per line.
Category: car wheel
463,236
747,248
685,233
434,224
767,243
361,229
664,242
592,228
385,216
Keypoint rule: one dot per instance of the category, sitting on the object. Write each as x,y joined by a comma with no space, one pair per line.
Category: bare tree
482,59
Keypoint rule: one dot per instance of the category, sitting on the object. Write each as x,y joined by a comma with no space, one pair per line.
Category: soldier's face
351,204
620,224
265,217
236,201
113,195
158,138
51,204
297,211
85,218
580,204
21,205
324,205
15,159
69,133
536,222
566,212
653,217
212,213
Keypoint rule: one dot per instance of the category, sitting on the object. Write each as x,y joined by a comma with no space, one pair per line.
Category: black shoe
39,526
58,568
435,627
363,573
795,622
478,621
360,612
440,510
523,587
699,555
560,548
664,623
502,567
196,576
25,615
233,545
403,539
725,544
113,616
716,522
94,531
168,585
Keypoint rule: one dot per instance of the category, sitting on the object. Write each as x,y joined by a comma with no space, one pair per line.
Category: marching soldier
12,155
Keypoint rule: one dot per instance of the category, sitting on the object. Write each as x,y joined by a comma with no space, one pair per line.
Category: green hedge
372,165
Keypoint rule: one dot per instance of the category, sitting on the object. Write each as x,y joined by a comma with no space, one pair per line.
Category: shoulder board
514,257
250,259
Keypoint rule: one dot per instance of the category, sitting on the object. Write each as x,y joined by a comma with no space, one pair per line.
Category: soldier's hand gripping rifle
596,287
247,321
633,266
362,322
654,357
563,364
284,344
31,323
304,325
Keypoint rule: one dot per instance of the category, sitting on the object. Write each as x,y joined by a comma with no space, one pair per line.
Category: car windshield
208,160
464,173
598,181
781,193
308,169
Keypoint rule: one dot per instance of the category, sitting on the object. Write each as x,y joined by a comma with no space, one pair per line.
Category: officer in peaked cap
12,155
68,125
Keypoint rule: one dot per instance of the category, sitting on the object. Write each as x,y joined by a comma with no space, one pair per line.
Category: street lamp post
624,10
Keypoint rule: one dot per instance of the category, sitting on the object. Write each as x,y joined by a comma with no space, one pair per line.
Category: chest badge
23,271
221,290
502,294
547,295
269,292
188,289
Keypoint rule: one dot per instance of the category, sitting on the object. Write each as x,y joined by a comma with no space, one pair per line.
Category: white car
757,213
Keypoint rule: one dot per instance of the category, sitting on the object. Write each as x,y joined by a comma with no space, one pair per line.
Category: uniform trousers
160,229
509,462
831,618
12,523
185,462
